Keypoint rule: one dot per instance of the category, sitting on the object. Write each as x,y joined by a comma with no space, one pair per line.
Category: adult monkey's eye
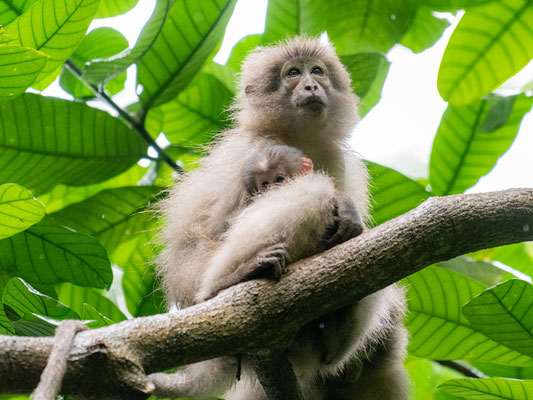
280,178
264,183
293,72
317,70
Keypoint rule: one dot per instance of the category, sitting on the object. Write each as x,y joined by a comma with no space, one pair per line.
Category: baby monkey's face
271,178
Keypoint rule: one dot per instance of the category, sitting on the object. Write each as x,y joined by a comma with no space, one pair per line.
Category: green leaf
101,42
195,115
98,320
438,328
489,389
47,253
11,9
504,371
33,325
138,282
482,271
366,25
19,67
61,196
24,299
190,34
461,154
489,45
368,71
425,30
18,210
77,298
498,114
452,5
112,216
284,18
105,69
54,27
505,314
112,8
392,193
62,142
425,376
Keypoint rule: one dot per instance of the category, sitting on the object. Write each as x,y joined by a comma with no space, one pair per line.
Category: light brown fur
214,232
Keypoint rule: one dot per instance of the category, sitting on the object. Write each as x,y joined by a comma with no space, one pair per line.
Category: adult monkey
297,93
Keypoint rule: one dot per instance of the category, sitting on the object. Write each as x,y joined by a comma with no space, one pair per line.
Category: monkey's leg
203,380
382,377
268,263
347,223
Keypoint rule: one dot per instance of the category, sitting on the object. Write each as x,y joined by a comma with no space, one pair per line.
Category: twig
130,120
466,370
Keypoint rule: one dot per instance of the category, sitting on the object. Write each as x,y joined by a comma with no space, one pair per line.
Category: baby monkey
272,166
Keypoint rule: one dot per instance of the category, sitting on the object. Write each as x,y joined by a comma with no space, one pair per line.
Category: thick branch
254,316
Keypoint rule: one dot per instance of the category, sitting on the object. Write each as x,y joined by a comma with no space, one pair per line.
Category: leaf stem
466,370
130,120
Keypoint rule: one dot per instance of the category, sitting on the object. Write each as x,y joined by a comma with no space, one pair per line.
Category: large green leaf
461,153
482,271
24,299
489,389
112,8
54,27
368,71
285,18
105,69
11,9
515,256
18,210
489,45
425,30
61,196
504,371
366,25
77,298
100,42
195,115
439,330
189,36
47,253
505,314
138,282
392,193
451,5
425,376
113,215
19,67
62,142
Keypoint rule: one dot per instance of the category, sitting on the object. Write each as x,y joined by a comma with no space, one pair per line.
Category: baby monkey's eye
280,178
264,183
317,70
293,72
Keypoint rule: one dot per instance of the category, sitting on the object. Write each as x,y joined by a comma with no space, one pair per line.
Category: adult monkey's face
307,83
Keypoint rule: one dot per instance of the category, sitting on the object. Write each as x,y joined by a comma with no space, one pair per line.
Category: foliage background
75,234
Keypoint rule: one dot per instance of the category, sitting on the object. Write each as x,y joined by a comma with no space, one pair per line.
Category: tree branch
260,315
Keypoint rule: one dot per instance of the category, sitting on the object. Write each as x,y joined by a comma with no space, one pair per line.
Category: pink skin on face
307,165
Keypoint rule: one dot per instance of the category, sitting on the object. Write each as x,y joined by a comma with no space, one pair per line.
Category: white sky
399,130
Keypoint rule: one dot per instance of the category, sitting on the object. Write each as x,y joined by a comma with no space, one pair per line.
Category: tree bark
259,315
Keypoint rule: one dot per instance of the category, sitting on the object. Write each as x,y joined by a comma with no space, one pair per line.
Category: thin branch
260,315
466,370
130,120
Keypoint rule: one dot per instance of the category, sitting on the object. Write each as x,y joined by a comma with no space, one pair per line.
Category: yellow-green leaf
18,209
490,44
54,27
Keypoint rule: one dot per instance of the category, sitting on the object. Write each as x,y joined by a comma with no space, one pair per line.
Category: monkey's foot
270,262
347,222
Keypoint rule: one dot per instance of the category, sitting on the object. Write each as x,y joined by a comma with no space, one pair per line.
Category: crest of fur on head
261,94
